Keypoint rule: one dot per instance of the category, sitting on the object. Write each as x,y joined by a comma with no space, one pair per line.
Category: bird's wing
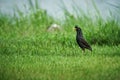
84,42
86,45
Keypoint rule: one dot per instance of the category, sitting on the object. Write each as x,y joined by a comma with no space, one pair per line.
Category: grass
44,58
102,64
29,52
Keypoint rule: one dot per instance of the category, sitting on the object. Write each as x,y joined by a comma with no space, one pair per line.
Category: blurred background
53,7
96,17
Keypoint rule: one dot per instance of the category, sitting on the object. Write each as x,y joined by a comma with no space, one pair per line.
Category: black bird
80,39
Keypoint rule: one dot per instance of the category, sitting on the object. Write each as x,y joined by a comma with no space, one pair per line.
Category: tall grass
33,27
96,30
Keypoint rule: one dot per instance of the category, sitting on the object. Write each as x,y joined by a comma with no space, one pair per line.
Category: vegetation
29,52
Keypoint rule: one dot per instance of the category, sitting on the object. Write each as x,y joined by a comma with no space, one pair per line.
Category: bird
80,39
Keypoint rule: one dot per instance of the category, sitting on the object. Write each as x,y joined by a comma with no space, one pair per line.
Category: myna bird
80,39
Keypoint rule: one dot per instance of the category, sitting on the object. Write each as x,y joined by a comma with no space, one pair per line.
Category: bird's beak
74,29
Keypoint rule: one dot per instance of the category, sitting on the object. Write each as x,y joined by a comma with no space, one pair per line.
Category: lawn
28,60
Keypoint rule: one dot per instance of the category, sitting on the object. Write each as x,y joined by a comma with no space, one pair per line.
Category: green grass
52,58
29,52
102,64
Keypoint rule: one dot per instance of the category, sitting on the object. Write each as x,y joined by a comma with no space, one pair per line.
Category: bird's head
77,28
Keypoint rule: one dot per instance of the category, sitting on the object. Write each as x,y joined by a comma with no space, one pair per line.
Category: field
29,52
62,64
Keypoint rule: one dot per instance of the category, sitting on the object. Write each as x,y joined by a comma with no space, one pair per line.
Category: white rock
54,27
